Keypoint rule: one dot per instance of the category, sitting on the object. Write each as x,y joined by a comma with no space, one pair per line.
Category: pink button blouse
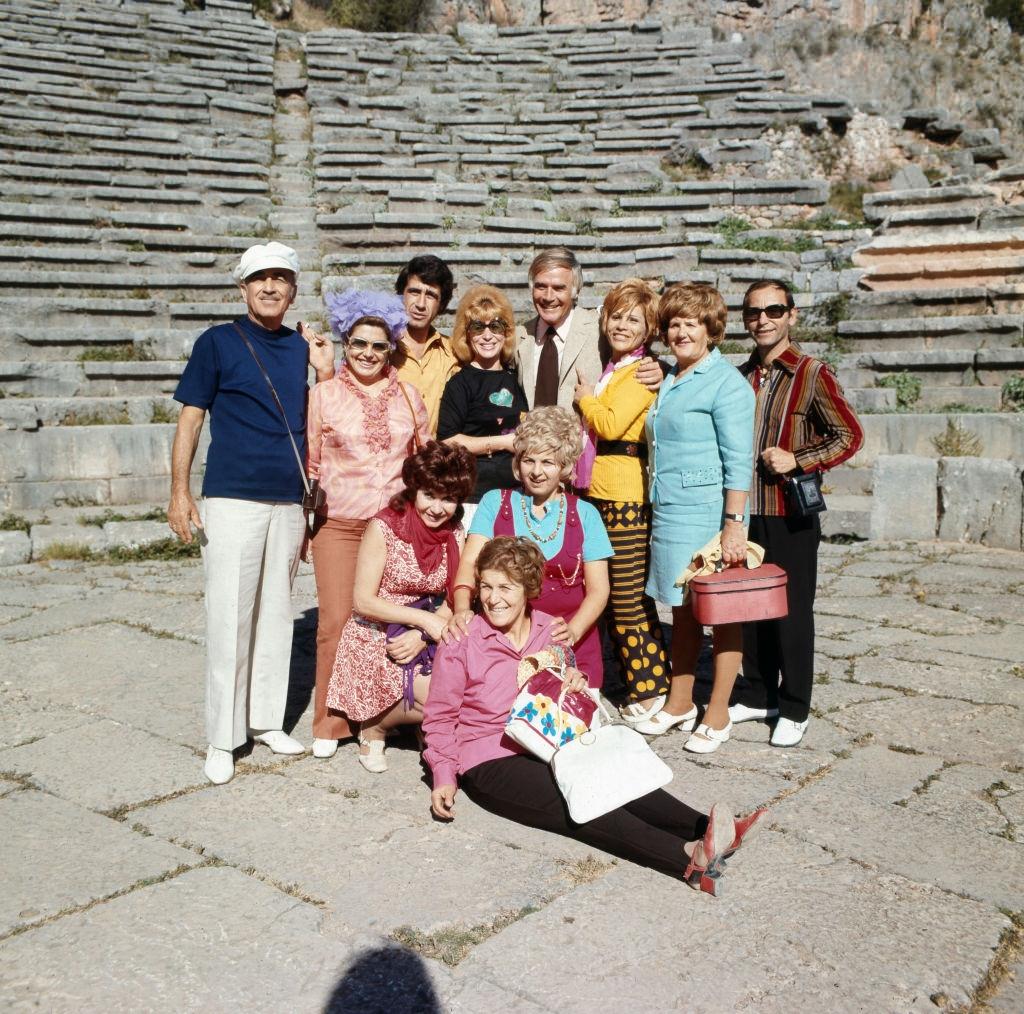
472,689
357,445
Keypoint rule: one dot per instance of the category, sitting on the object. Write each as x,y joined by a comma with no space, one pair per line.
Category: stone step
848,516
31,413
934,366
1001,434
878,206
848,480
102,464
954,332
871,305
931,399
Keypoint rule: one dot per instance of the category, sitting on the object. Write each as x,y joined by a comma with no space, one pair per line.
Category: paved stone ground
891,879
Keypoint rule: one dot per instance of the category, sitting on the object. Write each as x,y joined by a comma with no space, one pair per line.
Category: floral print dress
365,681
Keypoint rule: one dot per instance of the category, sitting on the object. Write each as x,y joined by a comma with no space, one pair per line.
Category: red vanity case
739,595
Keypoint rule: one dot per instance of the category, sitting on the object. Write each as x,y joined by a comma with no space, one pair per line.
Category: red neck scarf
427,543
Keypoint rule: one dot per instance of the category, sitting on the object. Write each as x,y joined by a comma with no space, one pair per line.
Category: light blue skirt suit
700,431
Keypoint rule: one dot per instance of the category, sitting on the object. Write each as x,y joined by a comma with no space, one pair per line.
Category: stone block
45,538
905,500
980,501
842,956
232,943
910,177
386,852
133,534
87,857
15,548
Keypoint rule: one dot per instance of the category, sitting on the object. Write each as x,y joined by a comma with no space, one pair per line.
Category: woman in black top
482,403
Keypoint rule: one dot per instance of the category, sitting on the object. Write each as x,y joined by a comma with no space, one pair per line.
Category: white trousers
250,557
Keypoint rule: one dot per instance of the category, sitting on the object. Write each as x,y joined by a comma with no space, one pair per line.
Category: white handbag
606,767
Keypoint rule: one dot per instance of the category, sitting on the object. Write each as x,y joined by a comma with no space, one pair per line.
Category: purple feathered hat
345,308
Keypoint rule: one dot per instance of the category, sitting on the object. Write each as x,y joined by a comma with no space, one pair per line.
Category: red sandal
720,832
747,827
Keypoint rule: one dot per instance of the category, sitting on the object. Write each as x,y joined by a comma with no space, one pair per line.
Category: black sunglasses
773,312
361,345
496,326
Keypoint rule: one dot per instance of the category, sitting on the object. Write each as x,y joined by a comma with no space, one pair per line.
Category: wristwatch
734,517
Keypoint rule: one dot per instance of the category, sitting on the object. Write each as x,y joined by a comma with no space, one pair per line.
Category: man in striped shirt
802,424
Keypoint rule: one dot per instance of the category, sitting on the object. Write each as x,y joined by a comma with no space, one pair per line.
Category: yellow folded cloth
708,559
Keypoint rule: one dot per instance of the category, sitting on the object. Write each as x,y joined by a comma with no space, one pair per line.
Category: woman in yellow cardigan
614,411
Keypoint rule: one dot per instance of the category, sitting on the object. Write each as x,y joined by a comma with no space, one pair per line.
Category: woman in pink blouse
362,425
471,692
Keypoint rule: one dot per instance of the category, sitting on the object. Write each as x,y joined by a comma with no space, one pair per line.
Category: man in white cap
250,517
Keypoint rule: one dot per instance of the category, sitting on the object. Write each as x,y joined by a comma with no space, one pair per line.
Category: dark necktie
546,391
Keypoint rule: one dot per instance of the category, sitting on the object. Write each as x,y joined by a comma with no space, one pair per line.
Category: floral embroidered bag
542,717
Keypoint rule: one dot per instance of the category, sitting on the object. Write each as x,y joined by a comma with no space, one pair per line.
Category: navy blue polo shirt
250,455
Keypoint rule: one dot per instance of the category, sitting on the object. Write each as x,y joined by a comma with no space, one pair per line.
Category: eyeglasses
773,312
496,326
361,345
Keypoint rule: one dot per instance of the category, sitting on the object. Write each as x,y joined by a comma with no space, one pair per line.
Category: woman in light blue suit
701,432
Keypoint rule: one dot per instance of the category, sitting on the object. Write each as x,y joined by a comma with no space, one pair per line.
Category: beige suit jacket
581,351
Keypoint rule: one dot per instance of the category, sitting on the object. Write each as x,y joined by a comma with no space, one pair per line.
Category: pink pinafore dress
563,590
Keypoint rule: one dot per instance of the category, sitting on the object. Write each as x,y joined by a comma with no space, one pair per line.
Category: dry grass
451,944
585,870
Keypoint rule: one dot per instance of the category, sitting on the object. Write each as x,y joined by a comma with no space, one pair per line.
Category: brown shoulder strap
416,441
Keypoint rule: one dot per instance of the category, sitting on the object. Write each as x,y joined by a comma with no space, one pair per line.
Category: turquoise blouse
701,434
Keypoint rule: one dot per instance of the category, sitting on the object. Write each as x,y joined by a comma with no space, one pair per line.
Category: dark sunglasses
773,312
361,345
496,326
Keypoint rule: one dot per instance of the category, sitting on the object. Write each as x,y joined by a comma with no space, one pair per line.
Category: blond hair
480,303
551,429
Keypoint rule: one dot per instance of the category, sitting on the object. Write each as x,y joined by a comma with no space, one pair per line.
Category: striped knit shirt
800,408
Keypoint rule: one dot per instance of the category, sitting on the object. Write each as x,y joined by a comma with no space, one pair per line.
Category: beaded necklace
533,531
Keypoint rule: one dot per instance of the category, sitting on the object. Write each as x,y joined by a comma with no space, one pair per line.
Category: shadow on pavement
385,980
302,669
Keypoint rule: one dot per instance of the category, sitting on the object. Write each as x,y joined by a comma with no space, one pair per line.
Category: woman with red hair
405,570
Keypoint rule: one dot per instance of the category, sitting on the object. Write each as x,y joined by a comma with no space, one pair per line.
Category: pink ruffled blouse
357,442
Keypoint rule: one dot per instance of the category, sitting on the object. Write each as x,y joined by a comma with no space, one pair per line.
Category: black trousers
650,831
778,655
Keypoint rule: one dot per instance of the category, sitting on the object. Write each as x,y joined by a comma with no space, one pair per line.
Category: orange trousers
335,547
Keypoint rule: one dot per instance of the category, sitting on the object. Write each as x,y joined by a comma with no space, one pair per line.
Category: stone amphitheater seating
145,147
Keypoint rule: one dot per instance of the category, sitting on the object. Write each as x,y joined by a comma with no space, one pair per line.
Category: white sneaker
640,711
663,721
787,732
741,713
279,741
324,748
219,766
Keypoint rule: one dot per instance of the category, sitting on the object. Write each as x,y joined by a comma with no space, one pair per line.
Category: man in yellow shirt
424,356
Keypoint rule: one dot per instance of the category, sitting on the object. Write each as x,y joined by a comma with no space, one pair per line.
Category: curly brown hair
517,558
445,470
697,300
